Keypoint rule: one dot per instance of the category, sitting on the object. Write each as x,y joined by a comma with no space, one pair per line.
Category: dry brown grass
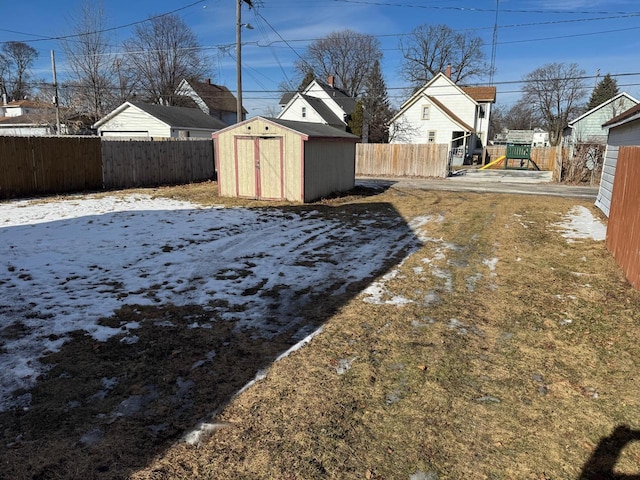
512,373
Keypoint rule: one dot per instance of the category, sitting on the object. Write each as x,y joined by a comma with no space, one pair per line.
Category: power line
110,29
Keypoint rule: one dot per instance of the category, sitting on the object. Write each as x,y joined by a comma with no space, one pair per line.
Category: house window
425,112
431,136
304,112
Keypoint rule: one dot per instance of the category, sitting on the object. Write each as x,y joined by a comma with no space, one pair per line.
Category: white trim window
431,136
304,112
425,111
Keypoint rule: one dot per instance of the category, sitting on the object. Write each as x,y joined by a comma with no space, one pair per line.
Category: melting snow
580,223
66,264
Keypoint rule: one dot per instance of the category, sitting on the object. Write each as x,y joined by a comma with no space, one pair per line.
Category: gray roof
323,110
314,129
181,116
347,103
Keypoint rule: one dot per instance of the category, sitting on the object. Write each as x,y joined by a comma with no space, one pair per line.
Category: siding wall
132,119
590,128
624,135
623,228
329,166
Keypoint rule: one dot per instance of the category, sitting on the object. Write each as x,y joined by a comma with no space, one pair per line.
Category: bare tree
92,65
19,57
162,52
348,56
557,90
430,48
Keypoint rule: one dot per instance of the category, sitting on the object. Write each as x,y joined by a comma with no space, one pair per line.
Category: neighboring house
588,127
27,118
276,159
319,103
214,100
142,120
443,112
536,137
623,130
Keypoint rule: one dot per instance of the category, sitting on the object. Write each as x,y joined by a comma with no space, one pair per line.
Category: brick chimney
447,72
331,81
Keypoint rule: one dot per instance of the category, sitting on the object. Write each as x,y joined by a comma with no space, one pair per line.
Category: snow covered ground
66,264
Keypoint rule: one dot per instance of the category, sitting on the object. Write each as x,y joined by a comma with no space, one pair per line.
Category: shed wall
329,166
227,151
624,135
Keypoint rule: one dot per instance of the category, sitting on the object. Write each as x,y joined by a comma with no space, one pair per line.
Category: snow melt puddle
580,223
66,264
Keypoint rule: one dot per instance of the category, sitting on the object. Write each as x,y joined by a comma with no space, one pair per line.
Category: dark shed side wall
329,166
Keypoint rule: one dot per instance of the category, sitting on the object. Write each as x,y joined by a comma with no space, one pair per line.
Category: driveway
510,182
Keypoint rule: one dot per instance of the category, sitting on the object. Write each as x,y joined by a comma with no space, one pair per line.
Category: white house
319,103
623,130
588,127
142,120
443,112
27,118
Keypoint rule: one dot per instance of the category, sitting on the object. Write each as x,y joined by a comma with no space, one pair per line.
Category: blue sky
595,34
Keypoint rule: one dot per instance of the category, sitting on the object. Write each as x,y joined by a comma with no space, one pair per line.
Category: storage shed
624,130
273,159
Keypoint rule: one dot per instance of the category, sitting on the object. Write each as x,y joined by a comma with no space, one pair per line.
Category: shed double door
260,168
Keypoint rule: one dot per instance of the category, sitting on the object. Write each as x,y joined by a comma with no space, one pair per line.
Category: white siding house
588,127
624,130
140,120
443,112
319,103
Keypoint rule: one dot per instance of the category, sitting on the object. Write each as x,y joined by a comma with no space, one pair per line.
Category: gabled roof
217,97
323,110
449,113
632,114
308,129
603,104
481,94
346,103
45,117
177,117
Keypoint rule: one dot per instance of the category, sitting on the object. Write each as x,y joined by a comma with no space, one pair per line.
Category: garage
273,159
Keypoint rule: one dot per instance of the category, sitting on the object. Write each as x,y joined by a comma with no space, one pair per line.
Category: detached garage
273,159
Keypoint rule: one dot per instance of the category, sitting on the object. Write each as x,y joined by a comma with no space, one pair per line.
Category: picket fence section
401,160
46,165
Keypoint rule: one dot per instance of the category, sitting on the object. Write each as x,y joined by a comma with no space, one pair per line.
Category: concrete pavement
495,181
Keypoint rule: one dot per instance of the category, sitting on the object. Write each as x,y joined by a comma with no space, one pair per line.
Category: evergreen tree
355,122
376,108
308,78
606,89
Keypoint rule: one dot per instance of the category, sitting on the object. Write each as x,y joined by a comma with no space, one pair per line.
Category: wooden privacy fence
147,163
545,157
41,165
623,227
401,160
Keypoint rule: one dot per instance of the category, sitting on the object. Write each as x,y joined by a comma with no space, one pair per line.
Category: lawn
169,333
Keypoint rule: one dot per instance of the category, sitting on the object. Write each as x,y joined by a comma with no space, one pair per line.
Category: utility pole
55,89
239,26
